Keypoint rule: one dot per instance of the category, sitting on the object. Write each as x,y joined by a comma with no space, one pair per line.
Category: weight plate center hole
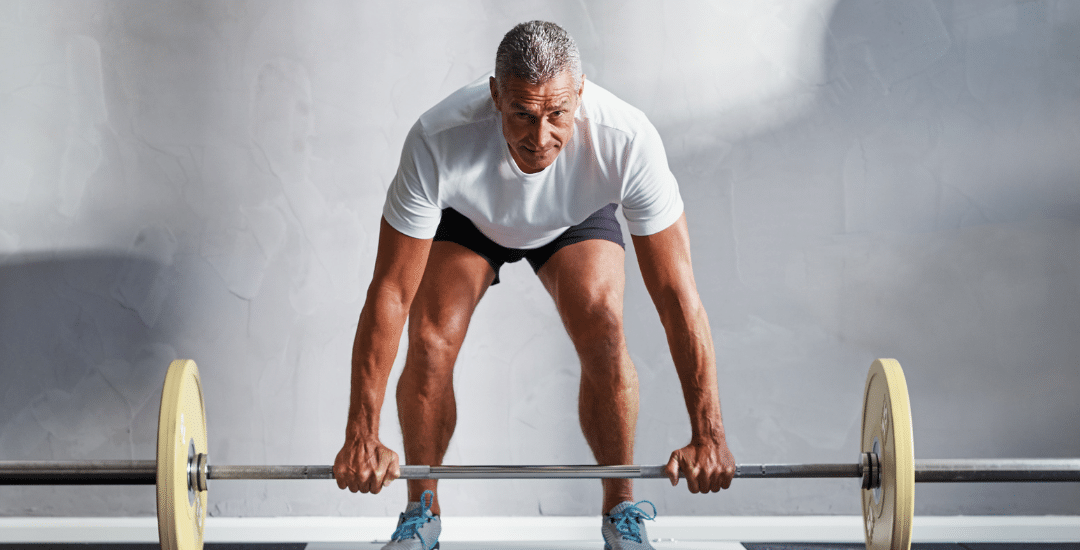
877,485
191,472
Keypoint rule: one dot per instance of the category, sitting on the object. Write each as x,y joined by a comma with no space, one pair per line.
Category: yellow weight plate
181,436
888,511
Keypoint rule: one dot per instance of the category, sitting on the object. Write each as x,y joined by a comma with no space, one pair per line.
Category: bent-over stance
529,163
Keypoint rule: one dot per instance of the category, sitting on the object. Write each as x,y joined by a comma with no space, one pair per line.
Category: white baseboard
514,529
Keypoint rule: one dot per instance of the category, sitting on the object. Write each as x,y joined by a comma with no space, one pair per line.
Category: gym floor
557,546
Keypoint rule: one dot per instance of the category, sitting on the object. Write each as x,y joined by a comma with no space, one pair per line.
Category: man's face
537,119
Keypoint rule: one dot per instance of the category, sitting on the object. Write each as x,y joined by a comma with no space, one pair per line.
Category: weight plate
886,430
181,436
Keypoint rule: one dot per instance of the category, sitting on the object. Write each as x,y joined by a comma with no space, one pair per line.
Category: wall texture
862,178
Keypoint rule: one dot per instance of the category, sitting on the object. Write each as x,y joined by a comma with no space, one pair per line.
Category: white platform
558,532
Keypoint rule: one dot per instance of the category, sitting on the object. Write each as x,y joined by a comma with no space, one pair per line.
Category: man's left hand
707,466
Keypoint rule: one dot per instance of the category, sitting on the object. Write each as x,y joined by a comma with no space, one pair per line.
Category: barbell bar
886,465
144,472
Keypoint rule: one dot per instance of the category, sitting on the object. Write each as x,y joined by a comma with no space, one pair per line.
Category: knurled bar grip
533,472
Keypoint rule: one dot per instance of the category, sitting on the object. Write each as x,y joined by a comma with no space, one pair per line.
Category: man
529,163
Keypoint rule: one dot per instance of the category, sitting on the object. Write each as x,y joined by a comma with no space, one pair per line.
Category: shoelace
413,519
628,521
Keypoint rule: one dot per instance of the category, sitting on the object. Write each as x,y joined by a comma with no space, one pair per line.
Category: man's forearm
690,340
378,334
664,259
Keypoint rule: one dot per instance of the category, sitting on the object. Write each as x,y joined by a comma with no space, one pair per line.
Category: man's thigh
586,278
583,268
454,280
456,228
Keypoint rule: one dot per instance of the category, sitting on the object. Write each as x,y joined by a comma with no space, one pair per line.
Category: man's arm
364,463
664,259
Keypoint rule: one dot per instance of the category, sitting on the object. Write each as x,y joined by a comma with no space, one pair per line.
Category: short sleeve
651,201
412,205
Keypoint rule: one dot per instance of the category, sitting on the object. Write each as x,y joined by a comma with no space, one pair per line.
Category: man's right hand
365,465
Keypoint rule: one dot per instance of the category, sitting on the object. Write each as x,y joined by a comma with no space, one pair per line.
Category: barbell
886,465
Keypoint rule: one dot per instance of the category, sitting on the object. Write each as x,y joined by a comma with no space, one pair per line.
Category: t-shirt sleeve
412,205
651,201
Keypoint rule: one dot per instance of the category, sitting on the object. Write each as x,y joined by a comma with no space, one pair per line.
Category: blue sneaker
417,528
623,528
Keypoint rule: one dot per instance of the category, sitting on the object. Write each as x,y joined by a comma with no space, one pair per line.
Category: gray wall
862,179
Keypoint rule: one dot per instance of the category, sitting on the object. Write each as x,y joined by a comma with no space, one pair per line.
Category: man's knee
595,326
436,341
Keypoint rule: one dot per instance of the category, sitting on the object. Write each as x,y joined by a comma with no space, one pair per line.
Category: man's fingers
365,467
343,474
360,481
727,476
707,470
376,481
339,475
393,473
386,470
693,477
394,470
672,469
389,474
720,476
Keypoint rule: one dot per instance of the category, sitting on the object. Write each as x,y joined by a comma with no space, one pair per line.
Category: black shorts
456,228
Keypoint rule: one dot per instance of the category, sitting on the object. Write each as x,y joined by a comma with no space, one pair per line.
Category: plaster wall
862,179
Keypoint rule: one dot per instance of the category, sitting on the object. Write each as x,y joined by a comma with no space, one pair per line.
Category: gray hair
537,52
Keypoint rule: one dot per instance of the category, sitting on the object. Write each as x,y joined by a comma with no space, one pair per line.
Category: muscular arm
399,266
664,259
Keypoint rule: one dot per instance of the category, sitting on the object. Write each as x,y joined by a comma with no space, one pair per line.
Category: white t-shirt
456,156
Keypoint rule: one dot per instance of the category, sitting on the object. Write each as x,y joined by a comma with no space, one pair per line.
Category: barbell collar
871,471
197,472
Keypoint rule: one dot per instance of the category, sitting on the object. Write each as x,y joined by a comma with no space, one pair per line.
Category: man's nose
541,134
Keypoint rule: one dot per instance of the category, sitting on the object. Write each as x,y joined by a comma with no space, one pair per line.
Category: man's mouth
536,152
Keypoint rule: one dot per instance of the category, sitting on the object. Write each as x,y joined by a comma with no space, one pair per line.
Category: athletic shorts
456,228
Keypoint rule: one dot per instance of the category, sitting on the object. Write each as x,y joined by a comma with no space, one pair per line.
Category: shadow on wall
925,206
84,346
930,117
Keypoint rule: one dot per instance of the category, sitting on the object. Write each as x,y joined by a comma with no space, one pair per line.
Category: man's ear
494,91
582,89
